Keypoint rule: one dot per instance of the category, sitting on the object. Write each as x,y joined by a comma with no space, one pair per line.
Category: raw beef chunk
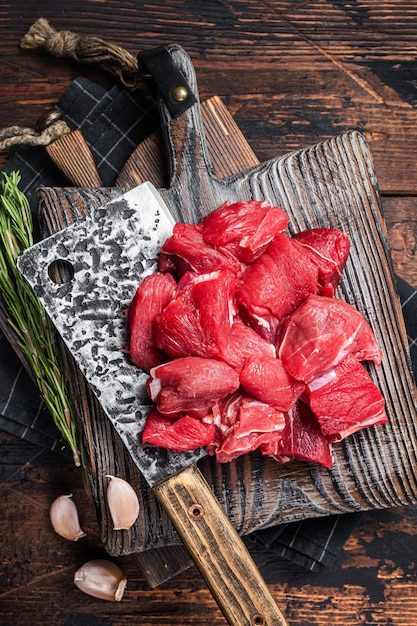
152,295
245,343
245,228
181,435
329,248
190,385
278,281
266,379
245,424
302,439
346,400
198,320
261,321
320,333
188,251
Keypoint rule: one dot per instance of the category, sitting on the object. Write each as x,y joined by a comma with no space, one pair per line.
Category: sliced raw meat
181,435
247,414
279,280
320,333
257,417
198,320
190,385
233,447
188,250
226,413
302,439
330,249
173,264
152,295
245,228
254,423
347,401
245,343
266,379
261,321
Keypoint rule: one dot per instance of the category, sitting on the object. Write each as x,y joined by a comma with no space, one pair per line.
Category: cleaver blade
102,259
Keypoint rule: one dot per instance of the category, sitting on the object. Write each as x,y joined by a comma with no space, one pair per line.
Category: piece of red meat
190,385
152,295
233,447
254,415
278,281
257,417
261,321
245,228
346,400
302,439
188,250
251,423
198,320
180,435
266,379
329,248
245,343
226,412
320,333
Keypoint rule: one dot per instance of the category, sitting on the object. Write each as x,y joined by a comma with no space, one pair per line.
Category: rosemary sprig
35,334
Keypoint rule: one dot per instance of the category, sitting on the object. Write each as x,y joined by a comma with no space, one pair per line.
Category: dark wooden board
401,220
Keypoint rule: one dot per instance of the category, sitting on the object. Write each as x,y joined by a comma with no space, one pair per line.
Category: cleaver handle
218,551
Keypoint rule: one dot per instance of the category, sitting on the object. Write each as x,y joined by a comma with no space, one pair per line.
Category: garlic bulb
123,503
64,517
101,579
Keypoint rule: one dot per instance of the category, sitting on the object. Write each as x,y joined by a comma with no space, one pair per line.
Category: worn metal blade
108,254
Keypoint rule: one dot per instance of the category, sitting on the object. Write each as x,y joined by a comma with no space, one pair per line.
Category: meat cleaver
86,276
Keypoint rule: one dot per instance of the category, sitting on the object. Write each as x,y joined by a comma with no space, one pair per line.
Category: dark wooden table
292,74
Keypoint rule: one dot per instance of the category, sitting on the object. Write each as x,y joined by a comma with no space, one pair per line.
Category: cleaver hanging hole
61,271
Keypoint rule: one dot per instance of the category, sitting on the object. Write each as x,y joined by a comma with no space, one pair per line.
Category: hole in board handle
196,512
61,271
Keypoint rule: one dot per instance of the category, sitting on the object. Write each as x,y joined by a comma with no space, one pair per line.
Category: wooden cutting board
331,184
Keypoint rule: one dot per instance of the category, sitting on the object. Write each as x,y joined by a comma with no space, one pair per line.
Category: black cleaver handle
218,551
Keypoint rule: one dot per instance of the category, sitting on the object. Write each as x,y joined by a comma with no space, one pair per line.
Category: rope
84,49
18,135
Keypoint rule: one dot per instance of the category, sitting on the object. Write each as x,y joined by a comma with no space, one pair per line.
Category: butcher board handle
218,551
192,182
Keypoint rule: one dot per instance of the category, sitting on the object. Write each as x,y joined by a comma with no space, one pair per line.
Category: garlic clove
64,518
101,579
123,503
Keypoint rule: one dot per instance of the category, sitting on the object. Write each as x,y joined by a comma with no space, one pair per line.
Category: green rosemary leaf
34,332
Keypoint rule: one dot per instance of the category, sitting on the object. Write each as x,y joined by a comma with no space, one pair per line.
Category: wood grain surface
292,74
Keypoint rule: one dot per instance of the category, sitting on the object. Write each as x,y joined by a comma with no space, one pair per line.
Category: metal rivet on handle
48,118
257,620
196,511
180,93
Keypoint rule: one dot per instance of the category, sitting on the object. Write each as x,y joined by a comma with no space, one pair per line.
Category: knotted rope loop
49,128
84,49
